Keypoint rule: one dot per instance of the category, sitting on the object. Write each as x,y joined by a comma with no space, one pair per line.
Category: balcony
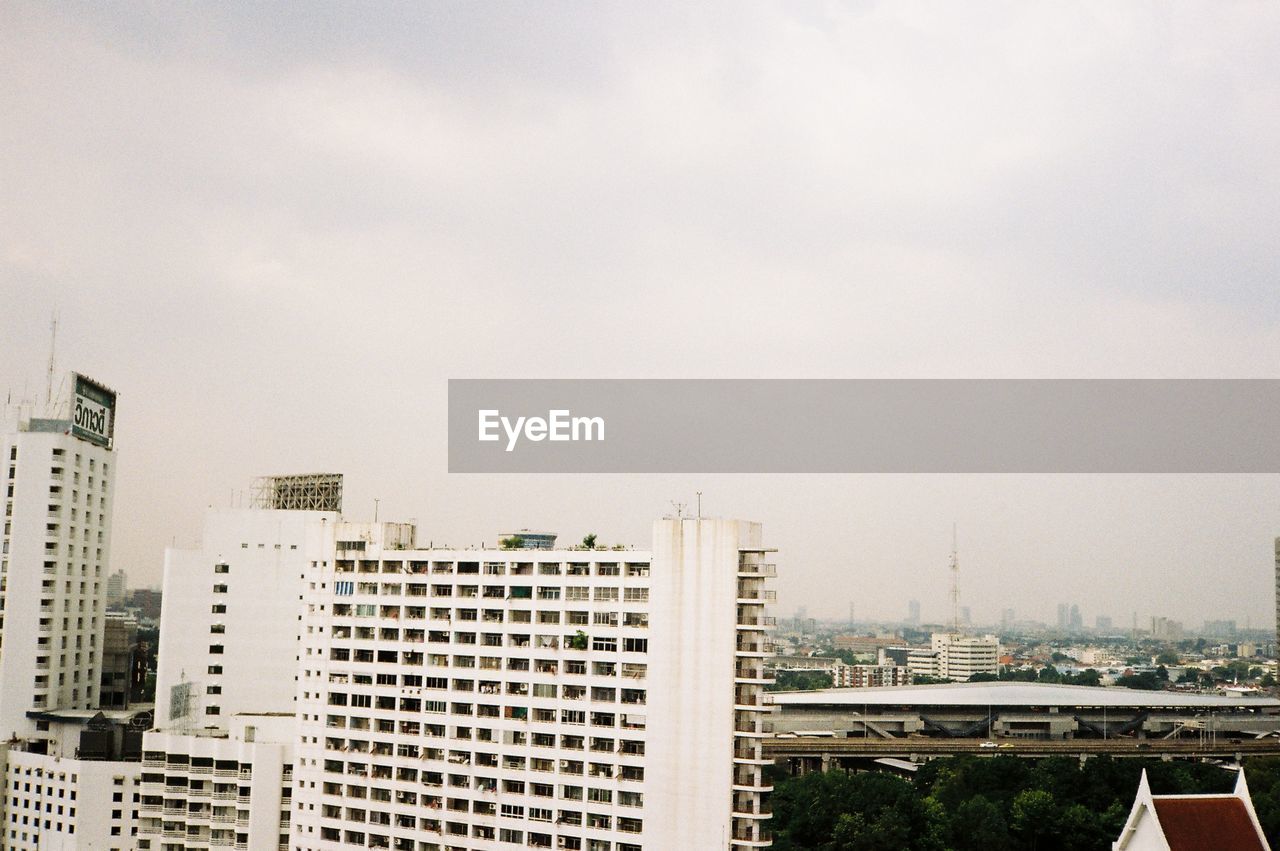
764,569
750,806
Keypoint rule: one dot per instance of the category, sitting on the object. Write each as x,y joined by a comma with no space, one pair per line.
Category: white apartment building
58,485
218,765
606,700
68,804
58,477
229,617
868,676
956,657
228,788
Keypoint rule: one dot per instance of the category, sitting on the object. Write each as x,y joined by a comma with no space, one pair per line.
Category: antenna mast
955,583
53,348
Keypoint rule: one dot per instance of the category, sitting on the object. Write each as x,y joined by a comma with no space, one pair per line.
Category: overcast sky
279,231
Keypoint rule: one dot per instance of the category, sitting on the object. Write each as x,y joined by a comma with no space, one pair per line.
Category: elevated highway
812,752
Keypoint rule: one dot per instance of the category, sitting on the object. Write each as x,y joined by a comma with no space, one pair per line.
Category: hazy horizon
278,231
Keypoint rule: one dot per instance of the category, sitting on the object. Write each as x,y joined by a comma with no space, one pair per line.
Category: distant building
867,676
862,645
1166,629
117,586
1173,822
1219,629
956,657
1102,622
145,602
1064,616
1076,620
893,655
529,540
1007,618
119,636
913,612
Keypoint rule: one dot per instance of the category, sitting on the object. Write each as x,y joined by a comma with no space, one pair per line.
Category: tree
589,541
983,677
1032,816
511,542
1168,657
800,681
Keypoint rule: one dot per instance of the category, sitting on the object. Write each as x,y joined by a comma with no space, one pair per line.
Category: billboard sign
93,411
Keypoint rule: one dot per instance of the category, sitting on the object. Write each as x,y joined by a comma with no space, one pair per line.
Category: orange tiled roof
1219,822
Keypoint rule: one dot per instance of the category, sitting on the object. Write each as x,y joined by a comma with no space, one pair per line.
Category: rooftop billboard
93,411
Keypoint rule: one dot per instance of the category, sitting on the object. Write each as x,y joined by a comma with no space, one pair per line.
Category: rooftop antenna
699,505
679,507
955,583
53,348
375,509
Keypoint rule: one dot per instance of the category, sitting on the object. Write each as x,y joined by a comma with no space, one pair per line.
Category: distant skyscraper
966,615
117,585
1102,622
1064,616
913,612
1077,622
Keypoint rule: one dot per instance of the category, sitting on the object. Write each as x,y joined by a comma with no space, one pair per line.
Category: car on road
986,745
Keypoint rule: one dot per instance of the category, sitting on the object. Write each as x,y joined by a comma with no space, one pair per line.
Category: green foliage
1146,681
511,542
999,803
800,681
589,541
1168,657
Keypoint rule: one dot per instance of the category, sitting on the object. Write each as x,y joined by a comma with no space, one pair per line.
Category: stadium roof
1015,694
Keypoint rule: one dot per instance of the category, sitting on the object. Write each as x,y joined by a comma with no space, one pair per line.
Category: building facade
956,657
571,699
58,488
868,676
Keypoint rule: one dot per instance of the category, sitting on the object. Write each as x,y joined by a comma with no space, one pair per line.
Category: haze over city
279,236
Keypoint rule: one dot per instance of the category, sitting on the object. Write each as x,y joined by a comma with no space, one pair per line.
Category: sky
279,230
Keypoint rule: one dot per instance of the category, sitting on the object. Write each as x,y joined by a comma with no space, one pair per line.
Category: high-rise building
59,479
913,612
1076,621
229,623
1064,616
117,588
218,764
1102,623
571,699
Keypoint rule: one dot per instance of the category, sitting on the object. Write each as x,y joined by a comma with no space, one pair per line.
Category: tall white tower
58,478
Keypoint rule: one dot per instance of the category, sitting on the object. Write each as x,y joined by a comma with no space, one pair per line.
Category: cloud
280,229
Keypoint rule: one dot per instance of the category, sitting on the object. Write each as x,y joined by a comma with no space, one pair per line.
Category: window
215,649
222,567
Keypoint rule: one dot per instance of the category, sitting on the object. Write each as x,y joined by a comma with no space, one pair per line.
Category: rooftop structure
304,492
